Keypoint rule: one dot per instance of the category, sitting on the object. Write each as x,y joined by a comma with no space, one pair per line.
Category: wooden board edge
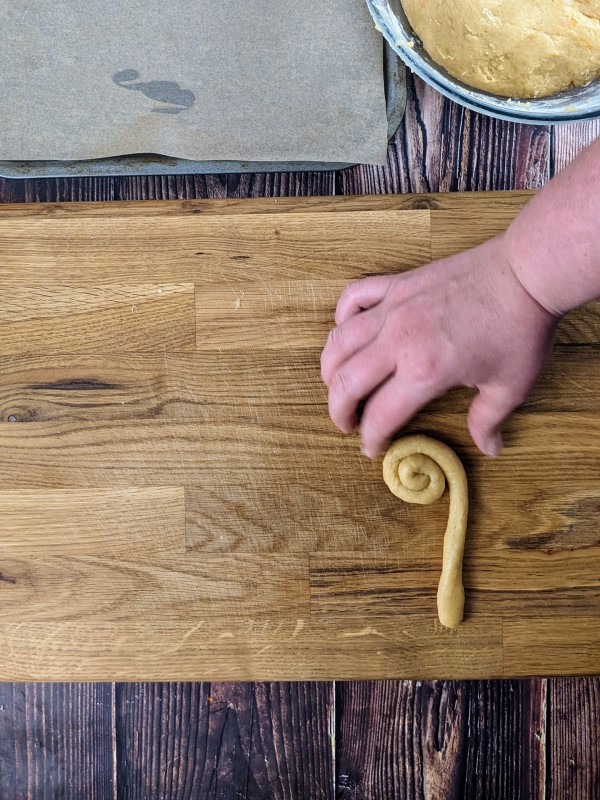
224,207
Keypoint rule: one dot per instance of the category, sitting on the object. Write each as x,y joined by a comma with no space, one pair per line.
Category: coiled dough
416,469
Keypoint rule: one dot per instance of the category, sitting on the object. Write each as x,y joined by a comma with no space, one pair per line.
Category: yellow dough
416,469
514,48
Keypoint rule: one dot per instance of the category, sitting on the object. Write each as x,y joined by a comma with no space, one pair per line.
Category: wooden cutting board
175,503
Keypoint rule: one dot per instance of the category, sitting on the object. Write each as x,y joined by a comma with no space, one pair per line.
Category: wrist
518,264
553,244
539,275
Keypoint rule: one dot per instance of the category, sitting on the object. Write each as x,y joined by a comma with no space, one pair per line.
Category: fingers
344,341
488,411
360,296
355,380
389,409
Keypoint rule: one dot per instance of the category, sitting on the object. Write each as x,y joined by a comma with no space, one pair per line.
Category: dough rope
416,469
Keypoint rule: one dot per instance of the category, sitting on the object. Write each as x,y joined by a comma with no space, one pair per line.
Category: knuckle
425,369
344,383
398,325
349,293
419,365
336,338
351,288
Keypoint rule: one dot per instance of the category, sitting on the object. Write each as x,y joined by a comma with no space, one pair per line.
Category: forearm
554,243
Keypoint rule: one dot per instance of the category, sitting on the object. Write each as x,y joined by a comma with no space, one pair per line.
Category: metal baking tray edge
149,164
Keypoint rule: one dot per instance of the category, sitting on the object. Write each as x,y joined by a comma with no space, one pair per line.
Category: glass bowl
573,105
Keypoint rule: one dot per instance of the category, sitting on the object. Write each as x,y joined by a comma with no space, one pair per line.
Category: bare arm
554,243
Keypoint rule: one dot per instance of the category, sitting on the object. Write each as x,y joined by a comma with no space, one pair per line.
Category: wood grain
193,386
437,143
442,739
284,522
443,147
144,317
84,245
456,229
273,315
166,740
569,140
234,206
123,522
535,647
167,187
299,314
56,741
574,738
234,649
217,740
556,546
80,455
273,281
170,387
165,589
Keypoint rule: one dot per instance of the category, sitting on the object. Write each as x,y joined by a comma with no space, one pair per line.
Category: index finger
390,408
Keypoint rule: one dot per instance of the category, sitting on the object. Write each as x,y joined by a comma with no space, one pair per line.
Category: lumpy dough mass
514,48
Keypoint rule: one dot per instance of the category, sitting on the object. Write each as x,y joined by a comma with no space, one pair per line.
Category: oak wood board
175,503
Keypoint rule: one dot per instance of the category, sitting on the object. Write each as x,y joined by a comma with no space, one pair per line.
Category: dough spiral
416,469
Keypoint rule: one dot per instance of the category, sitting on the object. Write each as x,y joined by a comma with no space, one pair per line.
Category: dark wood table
528,739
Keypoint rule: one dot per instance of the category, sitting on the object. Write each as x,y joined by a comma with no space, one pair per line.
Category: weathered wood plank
443,147
56,741
574,738
425,740
569,140
219,740
166,187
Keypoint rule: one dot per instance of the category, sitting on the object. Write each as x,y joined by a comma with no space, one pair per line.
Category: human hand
403,340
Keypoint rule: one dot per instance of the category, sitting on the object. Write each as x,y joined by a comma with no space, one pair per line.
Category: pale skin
485,318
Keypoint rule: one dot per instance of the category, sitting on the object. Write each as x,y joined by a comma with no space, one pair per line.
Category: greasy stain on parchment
169,92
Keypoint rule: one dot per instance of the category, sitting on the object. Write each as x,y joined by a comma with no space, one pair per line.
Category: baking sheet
149,164
248,80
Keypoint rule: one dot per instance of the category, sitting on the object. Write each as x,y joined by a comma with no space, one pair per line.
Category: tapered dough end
451,606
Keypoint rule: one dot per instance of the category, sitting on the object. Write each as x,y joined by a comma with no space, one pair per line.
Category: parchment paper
200,79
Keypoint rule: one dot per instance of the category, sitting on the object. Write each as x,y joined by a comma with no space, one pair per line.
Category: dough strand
416,469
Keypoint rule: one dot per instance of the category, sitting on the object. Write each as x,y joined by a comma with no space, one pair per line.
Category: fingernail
495,446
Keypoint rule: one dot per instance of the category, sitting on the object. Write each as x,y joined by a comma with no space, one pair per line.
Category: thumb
486,414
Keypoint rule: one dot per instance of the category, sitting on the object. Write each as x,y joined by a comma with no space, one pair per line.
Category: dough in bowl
514,48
